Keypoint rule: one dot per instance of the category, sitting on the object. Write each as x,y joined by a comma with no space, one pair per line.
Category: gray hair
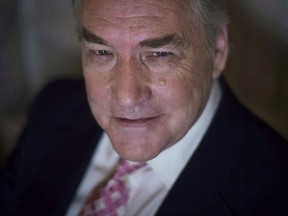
211,13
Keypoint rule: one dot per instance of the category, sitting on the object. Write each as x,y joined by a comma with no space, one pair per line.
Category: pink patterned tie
113,198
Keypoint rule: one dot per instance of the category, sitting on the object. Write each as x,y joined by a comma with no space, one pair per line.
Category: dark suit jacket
238,169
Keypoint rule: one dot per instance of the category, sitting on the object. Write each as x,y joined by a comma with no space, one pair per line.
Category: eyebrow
171,39
90,37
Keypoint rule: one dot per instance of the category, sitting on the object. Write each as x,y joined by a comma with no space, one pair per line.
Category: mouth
143,122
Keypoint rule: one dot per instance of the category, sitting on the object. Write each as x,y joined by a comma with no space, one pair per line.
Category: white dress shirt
149,186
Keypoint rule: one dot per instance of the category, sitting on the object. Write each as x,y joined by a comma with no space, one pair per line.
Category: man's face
147,72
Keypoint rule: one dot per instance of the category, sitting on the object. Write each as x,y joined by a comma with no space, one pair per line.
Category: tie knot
126,168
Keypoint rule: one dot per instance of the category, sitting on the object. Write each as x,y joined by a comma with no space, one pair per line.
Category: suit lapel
217,165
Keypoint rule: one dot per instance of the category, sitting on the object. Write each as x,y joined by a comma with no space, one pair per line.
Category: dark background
38,44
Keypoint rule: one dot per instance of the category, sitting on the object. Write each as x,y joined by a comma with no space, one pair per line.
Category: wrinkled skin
147,71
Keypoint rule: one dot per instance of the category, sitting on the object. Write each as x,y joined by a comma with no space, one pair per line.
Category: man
151,71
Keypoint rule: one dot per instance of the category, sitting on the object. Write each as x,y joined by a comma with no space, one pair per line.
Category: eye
158,56
101,52
161,54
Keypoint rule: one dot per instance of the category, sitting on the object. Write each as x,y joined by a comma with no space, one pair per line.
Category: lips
143,122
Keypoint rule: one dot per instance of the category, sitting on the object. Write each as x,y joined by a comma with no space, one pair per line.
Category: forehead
136,16
132,6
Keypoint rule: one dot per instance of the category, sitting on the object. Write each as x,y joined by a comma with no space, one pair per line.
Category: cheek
180,93
97,93
186,99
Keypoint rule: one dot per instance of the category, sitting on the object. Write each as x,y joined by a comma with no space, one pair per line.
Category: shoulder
259,145
262,157
61,102
238,117
59,119
60,93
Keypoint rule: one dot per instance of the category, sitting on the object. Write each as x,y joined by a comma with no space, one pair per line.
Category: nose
131,84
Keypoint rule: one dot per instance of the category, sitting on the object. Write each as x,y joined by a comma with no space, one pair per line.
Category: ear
220,52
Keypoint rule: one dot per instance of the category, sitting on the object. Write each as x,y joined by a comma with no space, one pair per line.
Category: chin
139,152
